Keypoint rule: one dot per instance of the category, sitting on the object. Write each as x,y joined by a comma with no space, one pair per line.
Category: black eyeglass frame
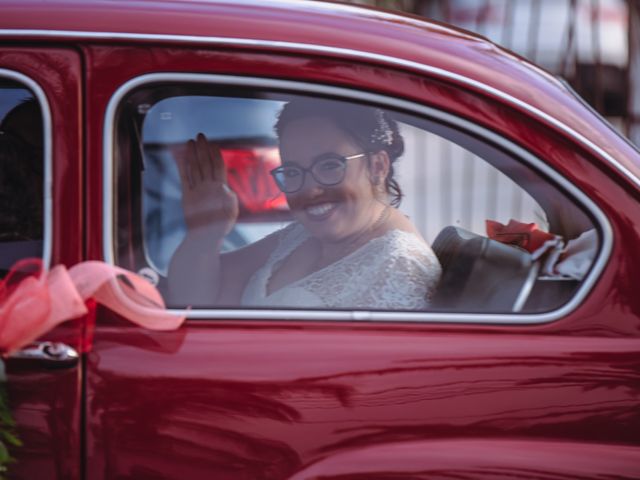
304,170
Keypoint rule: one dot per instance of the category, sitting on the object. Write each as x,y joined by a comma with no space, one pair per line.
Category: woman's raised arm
210,211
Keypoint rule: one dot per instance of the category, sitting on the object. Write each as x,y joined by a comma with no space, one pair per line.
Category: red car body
256,398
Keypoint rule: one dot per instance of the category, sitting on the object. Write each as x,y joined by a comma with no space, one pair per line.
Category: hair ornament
383,132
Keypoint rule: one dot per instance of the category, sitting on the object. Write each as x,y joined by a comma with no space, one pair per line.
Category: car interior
480,274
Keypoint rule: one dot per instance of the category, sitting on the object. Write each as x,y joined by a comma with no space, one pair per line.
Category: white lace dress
396,271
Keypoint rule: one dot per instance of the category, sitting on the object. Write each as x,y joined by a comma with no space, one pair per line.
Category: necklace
384,214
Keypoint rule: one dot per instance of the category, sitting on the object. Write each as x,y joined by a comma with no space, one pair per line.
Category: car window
21,175
335,205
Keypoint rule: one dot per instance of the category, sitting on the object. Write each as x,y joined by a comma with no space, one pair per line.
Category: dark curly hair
372,129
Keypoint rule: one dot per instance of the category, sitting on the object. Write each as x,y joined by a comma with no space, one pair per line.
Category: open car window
506,238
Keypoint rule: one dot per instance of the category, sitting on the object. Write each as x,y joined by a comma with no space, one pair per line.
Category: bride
348,247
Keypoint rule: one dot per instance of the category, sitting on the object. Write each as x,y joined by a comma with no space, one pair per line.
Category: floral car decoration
34,301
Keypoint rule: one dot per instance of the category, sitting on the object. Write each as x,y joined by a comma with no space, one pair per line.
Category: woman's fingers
209,159
200,162
203,158
219,171
214,207
207,202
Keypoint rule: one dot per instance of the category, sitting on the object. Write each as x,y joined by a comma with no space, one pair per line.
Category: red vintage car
524,364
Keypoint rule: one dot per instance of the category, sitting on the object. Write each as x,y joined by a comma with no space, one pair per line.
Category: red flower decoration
524,235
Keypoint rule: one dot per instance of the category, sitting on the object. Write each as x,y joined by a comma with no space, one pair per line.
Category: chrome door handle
46,354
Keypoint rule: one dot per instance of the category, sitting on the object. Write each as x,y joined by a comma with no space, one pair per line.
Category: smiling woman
348,247
261,199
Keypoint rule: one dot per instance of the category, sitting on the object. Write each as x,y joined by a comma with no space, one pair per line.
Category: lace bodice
396,271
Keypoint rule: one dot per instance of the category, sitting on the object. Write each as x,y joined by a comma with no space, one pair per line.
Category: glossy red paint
47,407
253,381
300,399
322,31
47,403
266,402
483,459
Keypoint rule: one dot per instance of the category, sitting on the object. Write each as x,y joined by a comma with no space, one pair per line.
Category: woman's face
329,213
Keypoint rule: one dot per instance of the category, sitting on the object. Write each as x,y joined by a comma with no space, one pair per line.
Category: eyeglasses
327,170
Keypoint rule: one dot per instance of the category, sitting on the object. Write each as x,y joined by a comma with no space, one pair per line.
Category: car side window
21,175
233,197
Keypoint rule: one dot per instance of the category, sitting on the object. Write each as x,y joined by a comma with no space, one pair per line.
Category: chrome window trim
308,88
339,51
596,113
47,230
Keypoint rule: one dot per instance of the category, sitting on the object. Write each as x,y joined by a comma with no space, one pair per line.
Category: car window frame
47,128
601,222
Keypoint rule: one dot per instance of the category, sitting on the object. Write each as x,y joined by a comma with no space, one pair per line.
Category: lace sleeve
403,279
404,282
394,272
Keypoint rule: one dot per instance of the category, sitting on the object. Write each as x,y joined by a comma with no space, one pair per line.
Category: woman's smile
320,211
336,212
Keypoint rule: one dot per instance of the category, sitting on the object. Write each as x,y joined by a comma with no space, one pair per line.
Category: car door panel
237,400
46,401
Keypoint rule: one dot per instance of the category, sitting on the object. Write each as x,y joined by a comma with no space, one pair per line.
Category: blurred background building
593,44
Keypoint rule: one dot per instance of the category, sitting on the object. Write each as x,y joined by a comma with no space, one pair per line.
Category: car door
41,91
271,393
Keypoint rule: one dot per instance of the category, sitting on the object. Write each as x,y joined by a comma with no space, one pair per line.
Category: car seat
480,274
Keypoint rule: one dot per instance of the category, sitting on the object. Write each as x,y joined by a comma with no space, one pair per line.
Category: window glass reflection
270,200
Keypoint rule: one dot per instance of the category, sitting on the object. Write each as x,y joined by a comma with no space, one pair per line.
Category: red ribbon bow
523,235
33,301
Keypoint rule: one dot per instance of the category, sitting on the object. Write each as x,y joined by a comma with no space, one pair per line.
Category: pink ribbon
33,301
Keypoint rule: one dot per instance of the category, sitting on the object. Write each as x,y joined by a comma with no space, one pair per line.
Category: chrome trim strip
596,113
47,232
343,52
578,195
